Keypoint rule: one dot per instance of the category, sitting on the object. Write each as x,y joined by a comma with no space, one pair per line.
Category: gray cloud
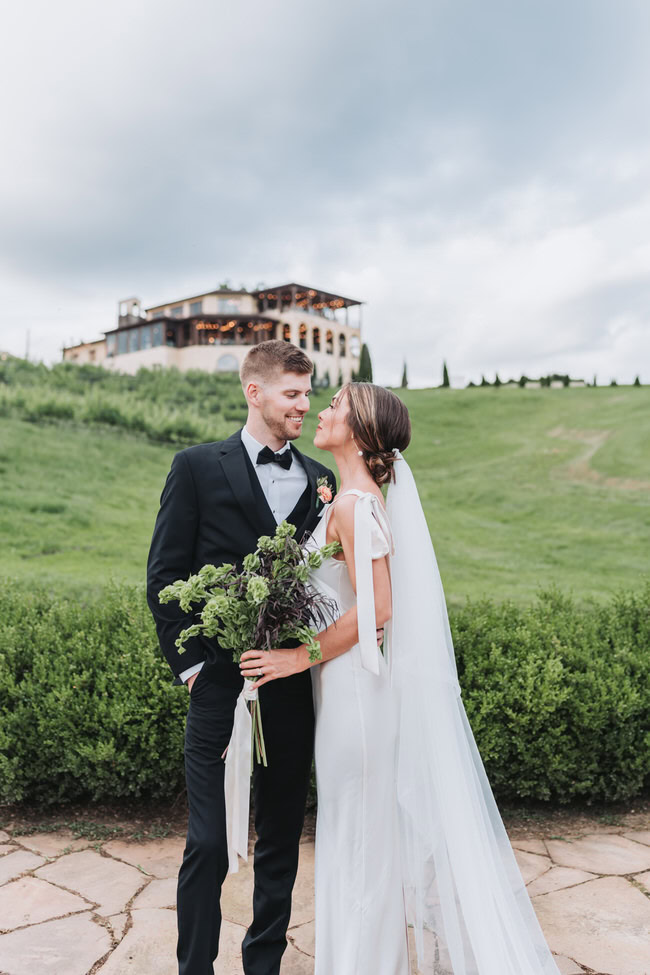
431,158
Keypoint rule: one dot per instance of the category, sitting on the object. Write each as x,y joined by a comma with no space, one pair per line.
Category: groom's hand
380,635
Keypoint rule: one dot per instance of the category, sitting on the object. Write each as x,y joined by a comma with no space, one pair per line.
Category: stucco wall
211,359
88,352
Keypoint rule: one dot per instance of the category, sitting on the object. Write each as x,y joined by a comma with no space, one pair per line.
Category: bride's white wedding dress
360,913
408,831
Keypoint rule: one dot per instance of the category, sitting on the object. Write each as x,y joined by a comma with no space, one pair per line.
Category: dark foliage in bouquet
262,606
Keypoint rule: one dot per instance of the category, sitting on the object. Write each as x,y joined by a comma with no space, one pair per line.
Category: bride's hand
267,665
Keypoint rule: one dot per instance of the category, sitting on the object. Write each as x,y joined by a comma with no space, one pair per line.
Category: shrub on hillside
49,409
100,411
163,404
155,421
557,696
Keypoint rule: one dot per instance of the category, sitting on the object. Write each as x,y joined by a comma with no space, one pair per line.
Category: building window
145,337
170,336
134,340
196,307
302,336
111,345
227,306
329,342
342,345
316,339
122,346
177,312
227,363
157,334
286,333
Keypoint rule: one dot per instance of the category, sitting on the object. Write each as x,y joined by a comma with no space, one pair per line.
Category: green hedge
558,697
87,709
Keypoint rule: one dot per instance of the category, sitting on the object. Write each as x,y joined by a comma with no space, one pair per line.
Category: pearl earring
360,453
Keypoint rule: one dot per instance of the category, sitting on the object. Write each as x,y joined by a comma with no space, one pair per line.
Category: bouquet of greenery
262,606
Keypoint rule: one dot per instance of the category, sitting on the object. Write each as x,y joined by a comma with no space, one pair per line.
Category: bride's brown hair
379,422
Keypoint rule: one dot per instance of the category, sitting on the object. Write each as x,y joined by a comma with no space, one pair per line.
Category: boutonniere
323,490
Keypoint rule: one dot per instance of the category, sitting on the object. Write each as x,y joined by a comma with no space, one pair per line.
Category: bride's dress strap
372,540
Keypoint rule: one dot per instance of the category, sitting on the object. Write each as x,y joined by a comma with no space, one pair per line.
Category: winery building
213,331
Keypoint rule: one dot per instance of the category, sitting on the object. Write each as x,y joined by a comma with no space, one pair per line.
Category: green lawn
521,489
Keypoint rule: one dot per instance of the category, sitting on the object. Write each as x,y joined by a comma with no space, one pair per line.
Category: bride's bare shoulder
343,508
353,494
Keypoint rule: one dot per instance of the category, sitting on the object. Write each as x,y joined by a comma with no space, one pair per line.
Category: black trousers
279,795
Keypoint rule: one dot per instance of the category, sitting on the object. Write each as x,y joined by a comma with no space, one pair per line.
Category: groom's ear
252,392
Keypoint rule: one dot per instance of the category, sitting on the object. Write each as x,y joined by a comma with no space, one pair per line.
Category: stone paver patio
73,907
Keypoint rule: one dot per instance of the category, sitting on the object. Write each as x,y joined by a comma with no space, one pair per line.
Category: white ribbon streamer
368,510
238,778
366,617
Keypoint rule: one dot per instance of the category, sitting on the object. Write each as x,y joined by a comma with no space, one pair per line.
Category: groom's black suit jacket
212,510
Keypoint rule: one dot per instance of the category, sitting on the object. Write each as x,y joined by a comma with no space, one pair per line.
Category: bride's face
332,430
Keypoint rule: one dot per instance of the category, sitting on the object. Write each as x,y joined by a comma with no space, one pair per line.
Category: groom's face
283,403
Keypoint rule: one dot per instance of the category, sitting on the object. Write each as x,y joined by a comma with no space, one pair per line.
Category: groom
217,500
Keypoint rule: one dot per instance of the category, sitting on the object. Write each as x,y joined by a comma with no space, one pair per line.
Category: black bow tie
266,456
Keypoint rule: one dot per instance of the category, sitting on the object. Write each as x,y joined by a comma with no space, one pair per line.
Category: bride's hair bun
380,424
380,465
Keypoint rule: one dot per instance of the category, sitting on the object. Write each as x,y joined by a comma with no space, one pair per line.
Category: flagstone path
73,907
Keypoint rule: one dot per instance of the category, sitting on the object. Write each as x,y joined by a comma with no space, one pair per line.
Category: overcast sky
478,173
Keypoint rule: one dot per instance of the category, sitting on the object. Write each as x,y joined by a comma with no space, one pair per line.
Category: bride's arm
339,636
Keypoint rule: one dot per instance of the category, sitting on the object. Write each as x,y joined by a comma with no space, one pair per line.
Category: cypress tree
405,381
497,381
637,382
445,374
365,365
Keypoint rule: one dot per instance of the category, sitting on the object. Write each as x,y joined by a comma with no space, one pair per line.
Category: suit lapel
312,474
255,510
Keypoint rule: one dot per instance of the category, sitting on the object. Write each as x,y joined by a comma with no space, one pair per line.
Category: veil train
465,896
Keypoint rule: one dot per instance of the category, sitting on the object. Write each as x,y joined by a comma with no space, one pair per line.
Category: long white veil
465,895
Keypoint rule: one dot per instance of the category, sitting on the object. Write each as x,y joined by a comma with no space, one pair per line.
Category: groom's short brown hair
266,360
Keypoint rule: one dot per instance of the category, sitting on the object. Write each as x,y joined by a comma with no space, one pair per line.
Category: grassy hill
521,488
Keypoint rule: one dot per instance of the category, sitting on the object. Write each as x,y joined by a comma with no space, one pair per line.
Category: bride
408,832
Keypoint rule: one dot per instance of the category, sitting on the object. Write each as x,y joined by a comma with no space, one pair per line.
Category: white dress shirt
282,490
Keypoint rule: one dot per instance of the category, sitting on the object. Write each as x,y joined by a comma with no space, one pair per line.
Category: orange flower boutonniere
323,490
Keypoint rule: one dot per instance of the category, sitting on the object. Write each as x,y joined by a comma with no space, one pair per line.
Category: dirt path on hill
580,469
